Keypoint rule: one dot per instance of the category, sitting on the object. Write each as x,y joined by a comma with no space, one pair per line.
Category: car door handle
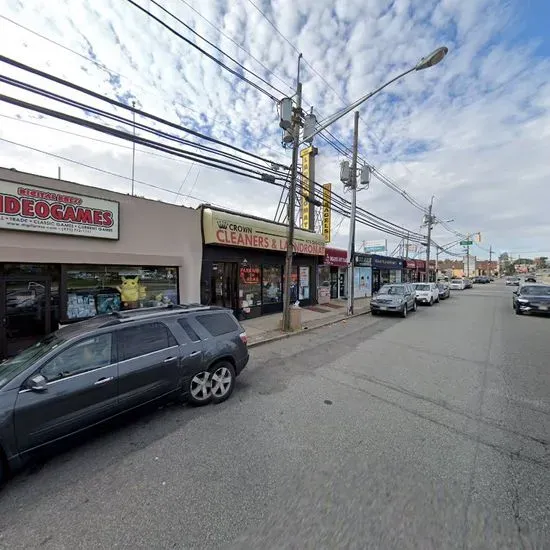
169,359
194,353
103,380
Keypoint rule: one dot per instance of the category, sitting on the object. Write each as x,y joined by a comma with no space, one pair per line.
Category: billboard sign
375,246
42,210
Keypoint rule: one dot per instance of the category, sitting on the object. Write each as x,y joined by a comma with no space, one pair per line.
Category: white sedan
427,293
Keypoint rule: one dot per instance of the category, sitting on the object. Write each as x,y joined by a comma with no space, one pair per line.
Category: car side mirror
37,383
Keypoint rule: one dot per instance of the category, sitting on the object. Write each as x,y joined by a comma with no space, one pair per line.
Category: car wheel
222,381
414,306
431,302
518,311
373,312
404,312
199,389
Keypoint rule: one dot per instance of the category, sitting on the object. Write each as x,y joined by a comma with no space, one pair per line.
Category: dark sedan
532,298
444,290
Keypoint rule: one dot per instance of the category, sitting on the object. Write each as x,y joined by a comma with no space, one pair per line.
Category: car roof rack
140,313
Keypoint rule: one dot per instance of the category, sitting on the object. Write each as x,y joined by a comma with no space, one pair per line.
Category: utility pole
133,146
430,223
490,274
407,247
353,182
468,258
295,131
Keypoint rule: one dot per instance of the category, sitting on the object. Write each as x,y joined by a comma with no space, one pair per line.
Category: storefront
243,263
385,269
69,252
421,270
333,274
412,271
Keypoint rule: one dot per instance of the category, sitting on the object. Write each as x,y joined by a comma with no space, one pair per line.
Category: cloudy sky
472,131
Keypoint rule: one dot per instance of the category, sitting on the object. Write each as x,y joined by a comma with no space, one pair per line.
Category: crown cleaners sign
229,229
30,208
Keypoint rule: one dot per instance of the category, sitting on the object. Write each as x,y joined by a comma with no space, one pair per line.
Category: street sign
466,243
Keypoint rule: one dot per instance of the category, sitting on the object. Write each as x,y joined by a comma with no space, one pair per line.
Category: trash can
295,318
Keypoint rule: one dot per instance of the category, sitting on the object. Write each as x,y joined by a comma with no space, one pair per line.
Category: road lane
427,432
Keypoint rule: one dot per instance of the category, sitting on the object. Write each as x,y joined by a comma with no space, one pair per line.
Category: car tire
404,312
373,312
222,381
415,307
518,311
431,302
198,391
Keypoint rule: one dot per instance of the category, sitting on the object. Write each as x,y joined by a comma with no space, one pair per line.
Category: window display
304,283
250,289
272,284
92,290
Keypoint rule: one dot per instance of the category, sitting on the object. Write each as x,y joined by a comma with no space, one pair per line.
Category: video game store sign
36,209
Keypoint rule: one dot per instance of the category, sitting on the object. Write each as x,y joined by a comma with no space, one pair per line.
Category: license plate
543,308
383,308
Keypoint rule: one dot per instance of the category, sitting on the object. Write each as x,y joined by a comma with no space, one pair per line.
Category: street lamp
291,121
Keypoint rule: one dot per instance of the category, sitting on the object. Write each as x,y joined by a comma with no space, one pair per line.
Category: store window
272,284
250,286
92,290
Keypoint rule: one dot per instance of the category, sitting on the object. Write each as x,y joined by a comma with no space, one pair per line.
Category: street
426,432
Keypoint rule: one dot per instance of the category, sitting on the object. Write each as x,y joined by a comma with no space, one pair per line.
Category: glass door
25,313
225,285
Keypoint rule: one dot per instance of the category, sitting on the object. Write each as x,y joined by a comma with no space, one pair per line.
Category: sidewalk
267,328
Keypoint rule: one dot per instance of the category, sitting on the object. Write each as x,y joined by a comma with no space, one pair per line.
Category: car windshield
13,366
422,287
392,290
535,291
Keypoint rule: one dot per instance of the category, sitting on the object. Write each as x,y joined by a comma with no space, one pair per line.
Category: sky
471,132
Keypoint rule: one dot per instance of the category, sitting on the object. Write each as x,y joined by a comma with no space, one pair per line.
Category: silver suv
394,298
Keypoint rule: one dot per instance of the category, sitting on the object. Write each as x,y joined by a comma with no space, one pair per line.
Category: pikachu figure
130,291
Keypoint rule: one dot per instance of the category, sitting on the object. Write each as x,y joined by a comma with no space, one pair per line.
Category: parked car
530,279
394,298
427,293
444,290
93,370
512,281
468,282
481,280
457,284
532,298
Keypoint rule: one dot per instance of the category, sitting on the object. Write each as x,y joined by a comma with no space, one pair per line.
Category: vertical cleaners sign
40,210
306,187
327,188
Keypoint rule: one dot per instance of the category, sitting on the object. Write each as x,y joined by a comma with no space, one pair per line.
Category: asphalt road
426,432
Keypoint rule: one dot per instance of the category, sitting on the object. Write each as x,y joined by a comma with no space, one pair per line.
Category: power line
217,48
111,72
204,52
237,44
115,103
102,170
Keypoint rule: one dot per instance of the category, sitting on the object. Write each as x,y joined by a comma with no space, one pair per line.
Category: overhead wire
376,222
207,54
112,72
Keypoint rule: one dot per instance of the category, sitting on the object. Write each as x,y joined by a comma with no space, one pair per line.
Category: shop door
25,312
334,283
225,285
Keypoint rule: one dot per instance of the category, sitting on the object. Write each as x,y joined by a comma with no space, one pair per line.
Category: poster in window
304,283
362,282
80,305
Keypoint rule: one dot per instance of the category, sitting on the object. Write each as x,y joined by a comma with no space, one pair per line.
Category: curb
298,332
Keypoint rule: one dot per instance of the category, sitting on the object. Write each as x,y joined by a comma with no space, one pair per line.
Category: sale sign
30,208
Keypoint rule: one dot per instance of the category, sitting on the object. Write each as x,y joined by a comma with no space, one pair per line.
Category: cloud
473,131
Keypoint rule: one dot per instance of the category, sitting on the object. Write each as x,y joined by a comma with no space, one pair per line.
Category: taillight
244,338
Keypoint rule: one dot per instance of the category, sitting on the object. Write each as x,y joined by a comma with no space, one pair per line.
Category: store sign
336,257
410,264
40,210
230,229
362,260
384,262
327,211
306,155
421,265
